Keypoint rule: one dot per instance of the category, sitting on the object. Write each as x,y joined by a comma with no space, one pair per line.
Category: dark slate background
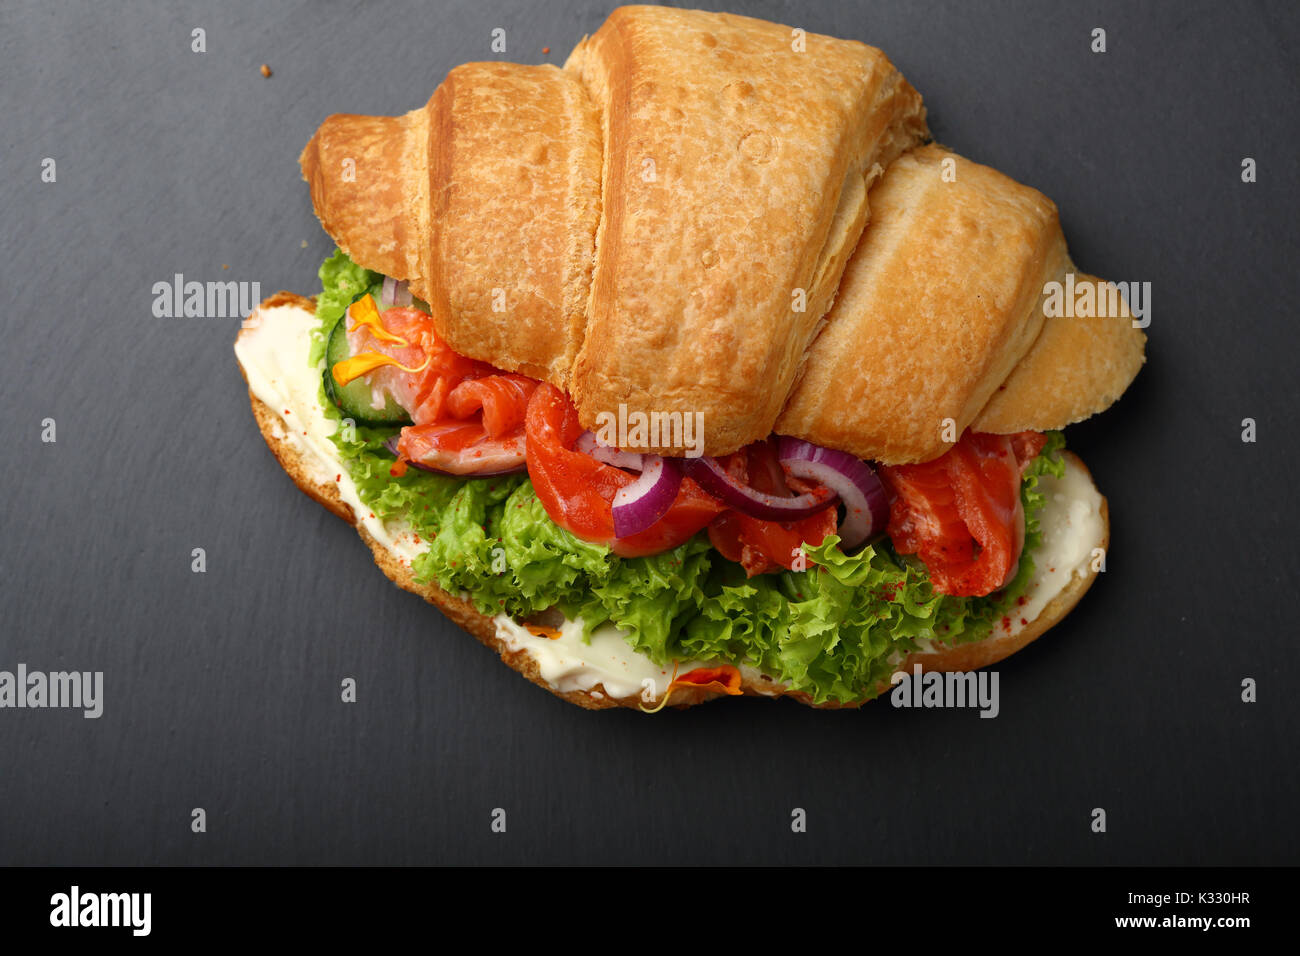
222,689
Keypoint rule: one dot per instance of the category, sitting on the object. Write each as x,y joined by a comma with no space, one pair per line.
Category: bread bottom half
294,458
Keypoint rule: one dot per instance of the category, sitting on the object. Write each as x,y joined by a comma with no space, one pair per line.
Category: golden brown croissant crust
710,215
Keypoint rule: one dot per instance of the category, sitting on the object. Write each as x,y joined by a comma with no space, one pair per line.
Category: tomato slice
758,545
961,514
578,491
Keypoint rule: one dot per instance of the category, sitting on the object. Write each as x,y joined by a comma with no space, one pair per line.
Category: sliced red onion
640,504
391,445
394,293
866,505
588,444
714,479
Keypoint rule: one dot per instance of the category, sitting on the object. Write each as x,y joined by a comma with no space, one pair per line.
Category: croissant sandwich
695,369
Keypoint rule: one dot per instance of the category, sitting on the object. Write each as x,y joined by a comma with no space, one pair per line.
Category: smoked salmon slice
462,448
961,513
468,417
503,399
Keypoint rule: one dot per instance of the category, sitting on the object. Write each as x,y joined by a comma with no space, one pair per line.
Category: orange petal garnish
364,312
723,680
358,365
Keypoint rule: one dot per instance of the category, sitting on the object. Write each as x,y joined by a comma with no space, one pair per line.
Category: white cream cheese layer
569,664
1071,524
274,350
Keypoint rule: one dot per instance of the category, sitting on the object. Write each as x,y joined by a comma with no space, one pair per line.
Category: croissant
664,224
708,215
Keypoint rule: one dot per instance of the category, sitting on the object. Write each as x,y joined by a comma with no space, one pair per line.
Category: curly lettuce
834,631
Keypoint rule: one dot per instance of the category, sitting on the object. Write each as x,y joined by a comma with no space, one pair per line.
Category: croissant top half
664,224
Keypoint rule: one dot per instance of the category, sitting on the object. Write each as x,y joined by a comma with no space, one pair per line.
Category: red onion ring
713,478
866,505
639,505
394,293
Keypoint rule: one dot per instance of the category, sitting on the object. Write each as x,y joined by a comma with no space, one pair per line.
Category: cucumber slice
355,400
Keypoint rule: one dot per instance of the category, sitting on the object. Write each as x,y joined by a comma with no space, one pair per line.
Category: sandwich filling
481,482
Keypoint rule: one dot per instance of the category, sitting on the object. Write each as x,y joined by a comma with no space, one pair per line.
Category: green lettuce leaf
342,280
834,631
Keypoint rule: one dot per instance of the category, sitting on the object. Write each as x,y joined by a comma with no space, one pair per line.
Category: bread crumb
266,70
546,50
304,243
225,266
